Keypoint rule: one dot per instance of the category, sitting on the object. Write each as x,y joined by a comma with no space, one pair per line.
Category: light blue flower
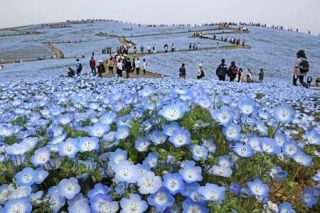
278,174
20,192
212,192
210,145
173,112
284,113
225,161
199,152
258,188
157,137
247,106
173,182
142,144
161,200
68,148
98,189
102,202
118,156
170,129
151,160
191,206
69,188
122,132
280,138
224,115
180,137
191,173
108,118
316,177
243,150
41,156
98,130
232,132
86,144
22,205
313,137
269,146
310,197
286,208
133,204
26,177
41,175
149,183
220,171
125,171
291,148
302,159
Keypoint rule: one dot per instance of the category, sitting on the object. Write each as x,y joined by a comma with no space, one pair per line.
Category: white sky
302,14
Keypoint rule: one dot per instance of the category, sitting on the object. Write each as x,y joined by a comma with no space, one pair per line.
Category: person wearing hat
200,73
101,68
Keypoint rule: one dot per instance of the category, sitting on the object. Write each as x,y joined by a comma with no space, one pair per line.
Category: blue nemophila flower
98,130
120,188
191,173
316,177
41,175
20,192
225,161
151,160
302,159
170,129
220,171
278,174
258,188
161,200
243,150
17,149
149,183
173,182
235,188
102,202
125,171
118,156
98,189
199,152
79,204
87,144
133,204
204,101
122,132
254,142
142,144
180,137
313,137
173,112
247,105
286,208
69,188
224,115
108,118
262,128
68,148
208,143
191,206
26,177
310,197
291,148
284,113
269,146
191,191
41,156
22,205
212,192
232,132
280,138
65,119
157,137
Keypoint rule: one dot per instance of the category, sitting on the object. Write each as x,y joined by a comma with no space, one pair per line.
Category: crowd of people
234,41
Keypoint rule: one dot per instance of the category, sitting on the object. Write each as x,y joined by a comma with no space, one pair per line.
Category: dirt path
57,52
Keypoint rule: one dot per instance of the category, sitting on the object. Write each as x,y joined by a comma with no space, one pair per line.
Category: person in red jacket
93,66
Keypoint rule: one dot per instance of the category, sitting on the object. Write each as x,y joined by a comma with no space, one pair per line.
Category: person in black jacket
182,71
233,71
221,71
101,68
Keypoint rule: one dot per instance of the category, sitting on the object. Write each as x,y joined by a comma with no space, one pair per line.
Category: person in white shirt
149,49
200,73
138,65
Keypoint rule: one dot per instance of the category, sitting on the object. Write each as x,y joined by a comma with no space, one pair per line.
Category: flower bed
97,145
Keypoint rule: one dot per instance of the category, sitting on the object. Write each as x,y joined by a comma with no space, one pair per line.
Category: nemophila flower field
158,145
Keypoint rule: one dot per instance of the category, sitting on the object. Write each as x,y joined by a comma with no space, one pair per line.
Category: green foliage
74,133
7,172
11,140
20,121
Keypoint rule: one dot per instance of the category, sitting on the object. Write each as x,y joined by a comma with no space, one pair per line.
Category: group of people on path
233,72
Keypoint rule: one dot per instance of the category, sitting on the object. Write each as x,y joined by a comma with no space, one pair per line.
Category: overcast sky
302,14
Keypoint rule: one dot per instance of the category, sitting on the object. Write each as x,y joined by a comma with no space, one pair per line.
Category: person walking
221,71
301,68
233,71
165,47
92,64
111,63
182,71
101,68
138,65
261,75
78,67
119,68
144,66
200,73
240,74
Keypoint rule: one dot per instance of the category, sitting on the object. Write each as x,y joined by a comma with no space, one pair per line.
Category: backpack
234,71
222,70
304,66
